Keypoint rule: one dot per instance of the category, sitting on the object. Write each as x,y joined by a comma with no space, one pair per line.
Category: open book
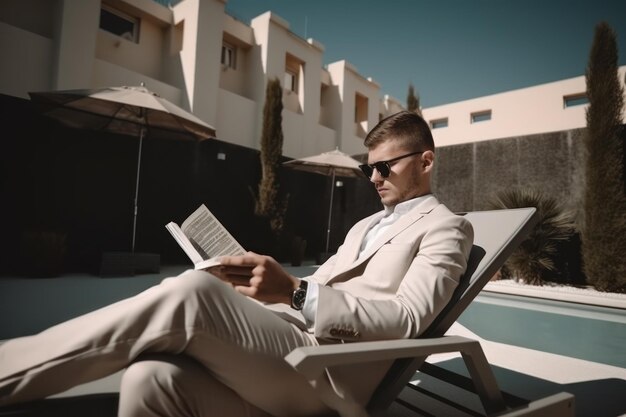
204,238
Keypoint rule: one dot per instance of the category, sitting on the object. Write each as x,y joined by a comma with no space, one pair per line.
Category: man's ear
428,159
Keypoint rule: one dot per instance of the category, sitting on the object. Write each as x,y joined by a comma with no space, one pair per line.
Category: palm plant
539,258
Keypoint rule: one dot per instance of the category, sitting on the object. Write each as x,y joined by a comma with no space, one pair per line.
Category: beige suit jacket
393,290
401,283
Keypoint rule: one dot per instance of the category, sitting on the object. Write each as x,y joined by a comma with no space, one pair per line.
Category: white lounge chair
497,234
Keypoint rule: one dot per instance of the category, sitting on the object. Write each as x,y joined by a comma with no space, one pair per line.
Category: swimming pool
588,332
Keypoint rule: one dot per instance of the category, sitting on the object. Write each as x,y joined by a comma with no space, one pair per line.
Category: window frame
232,56
439,123
134,20
575,100
293,87
481,116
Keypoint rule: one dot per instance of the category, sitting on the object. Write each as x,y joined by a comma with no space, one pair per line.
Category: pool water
592,333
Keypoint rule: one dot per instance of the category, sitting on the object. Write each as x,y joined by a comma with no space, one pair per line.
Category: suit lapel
353,245
401,224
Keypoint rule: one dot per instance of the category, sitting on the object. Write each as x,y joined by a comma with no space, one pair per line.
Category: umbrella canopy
134,111
334,164
328,163
126,110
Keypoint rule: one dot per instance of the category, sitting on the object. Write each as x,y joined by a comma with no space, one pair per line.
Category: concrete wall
468,175
145,57
26,61
34,16
350,83
76,44
235,119
301,113
200,54
108,74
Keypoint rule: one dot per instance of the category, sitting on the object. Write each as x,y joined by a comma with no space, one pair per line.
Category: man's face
409,177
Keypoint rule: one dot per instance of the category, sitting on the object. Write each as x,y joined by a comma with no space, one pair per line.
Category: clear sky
450,50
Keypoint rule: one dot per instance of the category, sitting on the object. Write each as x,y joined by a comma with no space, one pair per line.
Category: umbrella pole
330,209
137,189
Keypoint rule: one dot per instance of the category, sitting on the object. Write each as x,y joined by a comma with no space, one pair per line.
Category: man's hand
257,276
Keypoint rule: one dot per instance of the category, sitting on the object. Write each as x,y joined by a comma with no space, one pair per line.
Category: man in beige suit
212,343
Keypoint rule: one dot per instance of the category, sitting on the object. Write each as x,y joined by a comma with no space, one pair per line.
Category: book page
184,243
209,237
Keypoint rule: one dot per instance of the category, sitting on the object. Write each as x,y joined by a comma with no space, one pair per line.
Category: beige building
197,56
202,59
544,108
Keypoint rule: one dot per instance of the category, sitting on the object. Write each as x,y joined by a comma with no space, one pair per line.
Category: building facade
544,108
198,57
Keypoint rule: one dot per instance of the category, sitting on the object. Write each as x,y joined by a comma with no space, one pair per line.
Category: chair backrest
497,233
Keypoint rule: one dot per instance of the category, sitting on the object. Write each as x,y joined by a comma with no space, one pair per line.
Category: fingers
256,276
249,259
236,275
249,291
239,270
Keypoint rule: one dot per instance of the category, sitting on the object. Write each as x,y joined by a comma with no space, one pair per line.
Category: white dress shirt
392,214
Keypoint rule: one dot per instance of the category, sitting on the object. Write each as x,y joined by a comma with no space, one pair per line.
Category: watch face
298,298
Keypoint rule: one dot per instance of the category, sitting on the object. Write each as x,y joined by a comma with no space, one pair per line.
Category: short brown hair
409,128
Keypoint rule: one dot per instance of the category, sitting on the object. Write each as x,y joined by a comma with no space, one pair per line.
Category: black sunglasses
383,167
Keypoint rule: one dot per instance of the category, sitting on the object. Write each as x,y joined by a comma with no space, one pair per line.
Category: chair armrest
311,361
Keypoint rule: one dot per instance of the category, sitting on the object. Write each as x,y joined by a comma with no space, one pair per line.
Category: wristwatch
299,295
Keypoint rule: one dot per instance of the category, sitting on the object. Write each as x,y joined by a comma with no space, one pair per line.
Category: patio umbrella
133,111
335,164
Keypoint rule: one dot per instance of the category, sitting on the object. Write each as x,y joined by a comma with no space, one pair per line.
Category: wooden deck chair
497,234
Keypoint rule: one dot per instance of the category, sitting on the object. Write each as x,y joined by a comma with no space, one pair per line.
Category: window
294,68
480,116
120,24
439,123
293,84
291,81
575,100
229,56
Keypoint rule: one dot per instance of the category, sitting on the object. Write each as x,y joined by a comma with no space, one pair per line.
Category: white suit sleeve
310,303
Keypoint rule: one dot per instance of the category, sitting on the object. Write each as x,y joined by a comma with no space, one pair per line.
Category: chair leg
483,377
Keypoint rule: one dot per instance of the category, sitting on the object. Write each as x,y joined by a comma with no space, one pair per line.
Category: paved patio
29,305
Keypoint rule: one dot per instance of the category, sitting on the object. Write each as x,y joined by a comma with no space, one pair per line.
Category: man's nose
376,177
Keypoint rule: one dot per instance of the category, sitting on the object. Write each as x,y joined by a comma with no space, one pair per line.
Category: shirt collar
405,206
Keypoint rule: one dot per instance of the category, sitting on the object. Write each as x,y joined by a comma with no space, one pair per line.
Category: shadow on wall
71,191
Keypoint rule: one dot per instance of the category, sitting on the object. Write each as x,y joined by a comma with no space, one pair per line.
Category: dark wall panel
454,176
551,163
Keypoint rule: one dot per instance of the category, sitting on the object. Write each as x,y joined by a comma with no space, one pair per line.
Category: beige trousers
219,354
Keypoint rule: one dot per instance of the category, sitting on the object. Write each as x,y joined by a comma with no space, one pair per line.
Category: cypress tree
604,224
267,203
413,101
